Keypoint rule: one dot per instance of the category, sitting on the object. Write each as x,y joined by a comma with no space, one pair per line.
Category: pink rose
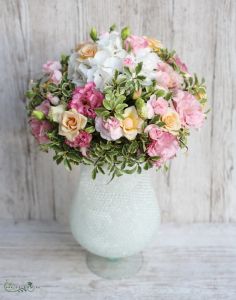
135,43
166,147
180,64
39,130
85,99
167,77
82,140
156,106
44,107
51,66
189,109
109,129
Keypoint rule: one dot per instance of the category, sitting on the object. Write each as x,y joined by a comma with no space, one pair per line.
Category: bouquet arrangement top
119,102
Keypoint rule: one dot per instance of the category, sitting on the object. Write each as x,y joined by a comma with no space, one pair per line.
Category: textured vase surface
115,219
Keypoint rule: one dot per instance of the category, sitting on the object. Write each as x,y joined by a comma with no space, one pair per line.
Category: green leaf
94,173
30,94
90,129
112,28
107,104
168,96
59,160
138,68
133,147
87,161
100,169
155,119
160,93
102,112
139,170
130,171
67,164
93,34
125,32
161,124
121,107
127,71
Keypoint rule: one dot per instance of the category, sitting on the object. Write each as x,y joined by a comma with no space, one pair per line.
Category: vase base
115,268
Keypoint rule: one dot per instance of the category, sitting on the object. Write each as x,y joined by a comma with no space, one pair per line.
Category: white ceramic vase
114,219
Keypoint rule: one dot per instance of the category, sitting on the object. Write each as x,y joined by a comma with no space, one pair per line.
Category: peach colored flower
154,43
172,121
71,123
86,50
131,123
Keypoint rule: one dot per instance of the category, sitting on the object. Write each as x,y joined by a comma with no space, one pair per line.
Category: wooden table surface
186,262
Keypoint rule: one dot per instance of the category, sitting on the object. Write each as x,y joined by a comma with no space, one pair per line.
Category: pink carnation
164,144
39,130
109,129
135,43
180,64
167,77
189,109
82,140
56,77
85,99
52,68
156,106
44,107
53,99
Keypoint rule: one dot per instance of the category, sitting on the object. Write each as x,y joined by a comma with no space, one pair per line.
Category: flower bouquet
120,103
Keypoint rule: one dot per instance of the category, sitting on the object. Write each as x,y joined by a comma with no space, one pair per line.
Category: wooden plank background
201,185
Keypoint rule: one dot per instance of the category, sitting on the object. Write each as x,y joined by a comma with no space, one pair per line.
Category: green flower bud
93,34
141,108
39,115
125,32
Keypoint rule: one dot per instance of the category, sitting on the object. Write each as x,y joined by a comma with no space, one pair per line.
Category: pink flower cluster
156,106
52,68
180,64
189,109
82,140
85,99
163,144
109,129
167,77
135,43
40,129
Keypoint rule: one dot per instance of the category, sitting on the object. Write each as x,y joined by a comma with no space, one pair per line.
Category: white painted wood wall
201,185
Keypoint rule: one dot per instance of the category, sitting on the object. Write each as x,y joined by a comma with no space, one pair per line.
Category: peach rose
172,121
71,123
131,123
86,50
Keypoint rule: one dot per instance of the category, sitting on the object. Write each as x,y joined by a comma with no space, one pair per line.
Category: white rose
55,112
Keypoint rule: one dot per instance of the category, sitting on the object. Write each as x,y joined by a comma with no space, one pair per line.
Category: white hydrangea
109,57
